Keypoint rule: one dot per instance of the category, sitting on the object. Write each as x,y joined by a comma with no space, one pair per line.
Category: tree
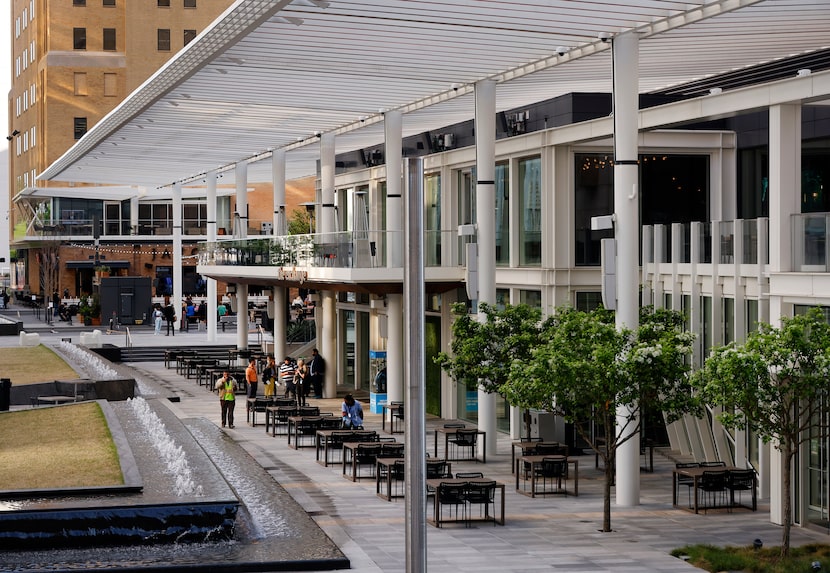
483,352
584,369
299,222
775,384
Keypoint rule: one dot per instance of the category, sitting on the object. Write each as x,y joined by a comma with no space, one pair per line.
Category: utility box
126,298
547,427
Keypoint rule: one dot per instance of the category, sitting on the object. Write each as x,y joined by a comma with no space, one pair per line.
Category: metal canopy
270,74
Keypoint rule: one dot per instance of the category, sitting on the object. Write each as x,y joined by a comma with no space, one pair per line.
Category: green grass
31,365
747,559
67,446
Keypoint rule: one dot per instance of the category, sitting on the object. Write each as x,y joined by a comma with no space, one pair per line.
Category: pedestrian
352,413
158,316
316,373
56,302
301,383
269,378
170,317
226,388
287,370
251,379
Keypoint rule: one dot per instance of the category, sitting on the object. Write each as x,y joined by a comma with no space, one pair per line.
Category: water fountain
199,501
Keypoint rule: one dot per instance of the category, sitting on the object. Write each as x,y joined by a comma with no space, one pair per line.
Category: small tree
483,352
299,222
585,369
774,384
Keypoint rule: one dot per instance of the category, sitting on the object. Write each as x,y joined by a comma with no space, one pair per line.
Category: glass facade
432,219
502,214
530,217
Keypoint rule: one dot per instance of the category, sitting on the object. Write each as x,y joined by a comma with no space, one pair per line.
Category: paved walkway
553,533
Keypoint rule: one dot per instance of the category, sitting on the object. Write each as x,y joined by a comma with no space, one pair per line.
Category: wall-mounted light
12,135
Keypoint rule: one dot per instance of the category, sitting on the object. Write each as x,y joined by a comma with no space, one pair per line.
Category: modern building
703,129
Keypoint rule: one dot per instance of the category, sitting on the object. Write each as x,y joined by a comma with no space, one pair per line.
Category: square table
448,432
696,474
536,460
434,483
383,476
391,407
295,425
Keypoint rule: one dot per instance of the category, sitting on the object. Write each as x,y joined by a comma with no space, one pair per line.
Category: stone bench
91,339
29,339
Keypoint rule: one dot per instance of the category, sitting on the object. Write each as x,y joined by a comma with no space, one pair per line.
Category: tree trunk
606,502
786,490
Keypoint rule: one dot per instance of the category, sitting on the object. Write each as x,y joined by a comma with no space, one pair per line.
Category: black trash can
5,394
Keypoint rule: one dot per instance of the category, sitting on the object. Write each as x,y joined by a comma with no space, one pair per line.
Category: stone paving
553,533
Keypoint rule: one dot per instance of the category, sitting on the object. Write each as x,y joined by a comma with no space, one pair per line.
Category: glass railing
809,242
349,249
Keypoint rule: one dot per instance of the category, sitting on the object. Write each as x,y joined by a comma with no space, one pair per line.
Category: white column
485,127
177,252
134,213
393,127
241,317
212,302
328,333
279,311
784,183
627,224
241,231
242,200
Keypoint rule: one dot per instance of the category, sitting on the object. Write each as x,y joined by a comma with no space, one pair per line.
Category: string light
117,251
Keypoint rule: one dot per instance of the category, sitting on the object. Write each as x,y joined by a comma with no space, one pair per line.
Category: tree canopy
775,384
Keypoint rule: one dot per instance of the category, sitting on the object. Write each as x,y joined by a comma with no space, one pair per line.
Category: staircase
156,353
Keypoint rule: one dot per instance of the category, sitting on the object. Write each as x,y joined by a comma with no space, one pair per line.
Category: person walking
158,316
170,317
316,373
226,388
251,379
352,413
301,383
287,370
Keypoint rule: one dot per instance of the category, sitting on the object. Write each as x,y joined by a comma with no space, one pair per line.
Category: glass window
705,325
109,2
502,214
675,188
189,3
432,219
79,38
80,127
751,315
189,36
588,301
79,2
532,298
593,197
502,298
728,320
109,39
530,201
164,3
163,39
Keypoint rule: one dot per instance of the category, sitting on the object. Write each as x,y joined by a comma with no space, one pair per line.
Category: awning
91,264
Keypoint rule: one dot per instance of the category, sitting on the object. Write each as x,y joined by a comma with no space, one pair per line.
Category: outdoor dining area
713,485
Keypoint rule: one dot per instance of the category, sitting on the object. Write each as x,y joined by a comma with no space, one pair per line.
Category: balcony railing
736,241
809,242
348,249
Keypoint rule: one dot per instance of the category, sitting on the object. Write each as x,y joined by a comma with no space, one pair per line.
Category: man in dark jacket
170,318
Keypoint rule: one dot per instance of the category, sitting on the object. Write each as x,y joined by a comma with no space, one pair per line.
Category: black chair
308,411
482,494
741,481
468,475
365,455
687,481
552,469
437,469
550,449
713,484
463,440
452,495
717,464
391,450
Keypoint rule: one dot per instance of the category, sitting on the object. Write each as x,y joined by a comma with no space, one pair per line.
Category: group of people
161,314
299,379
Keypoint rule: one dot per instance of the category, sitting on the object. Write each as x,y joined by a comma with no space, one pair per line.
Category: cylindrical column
393,126
177,253
485,127
242,200
328,333
327,161
212,302
627,225
278,178
328,348
415,403
242,317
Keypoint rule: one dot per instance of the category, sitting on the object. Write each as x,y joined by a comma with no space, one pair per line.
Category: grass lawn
66,446
766,560
30,365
